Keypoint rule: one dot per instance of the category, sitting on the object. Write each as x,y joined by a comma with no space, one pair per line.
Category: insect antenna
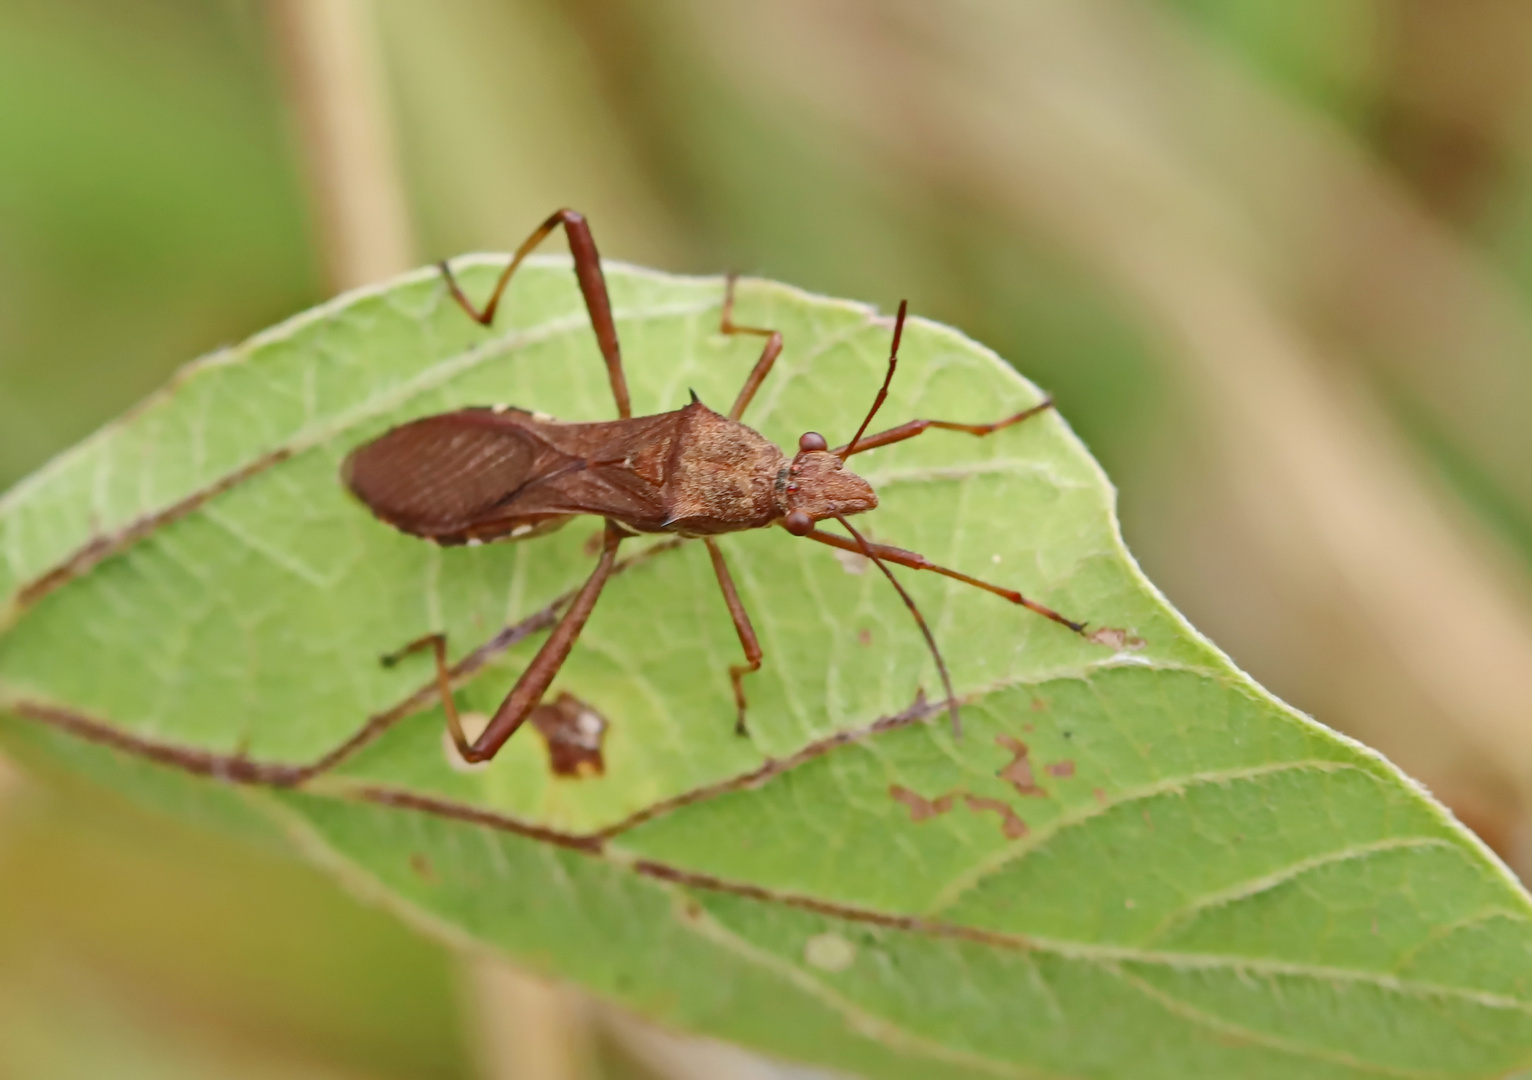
877,402
909,601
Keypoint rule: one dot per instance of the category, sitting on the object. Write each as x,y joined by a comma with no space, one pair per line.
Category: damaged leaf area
1133,863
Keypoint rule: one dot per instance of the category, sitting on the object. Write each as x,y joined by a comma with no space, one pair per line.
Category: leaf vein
1222,1026
1019,849
865,1023
1252,887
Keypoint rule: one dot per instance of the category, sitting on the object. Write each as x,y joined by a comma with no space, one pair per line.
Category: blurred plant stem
328,50
682,1057
528,1029
1454,97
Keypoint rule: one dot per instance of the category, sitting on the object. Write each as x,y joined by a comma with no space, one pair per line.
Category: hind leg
587,264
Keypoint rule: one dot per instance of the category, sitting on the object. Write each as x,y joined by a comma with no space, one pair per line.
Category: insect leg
587,265
742,627
916,561
529,689
437,643
915,427
768,357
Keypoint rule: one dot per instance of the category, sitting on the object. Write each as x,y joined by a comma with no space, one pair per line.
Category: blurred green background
1272,257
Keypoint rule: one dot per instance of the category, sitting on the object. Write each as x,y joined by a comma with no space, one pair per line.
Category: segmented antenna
909,602
877,402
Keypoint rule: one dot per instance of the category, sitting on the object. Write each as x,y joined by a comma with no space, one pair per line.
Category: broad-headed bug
480,474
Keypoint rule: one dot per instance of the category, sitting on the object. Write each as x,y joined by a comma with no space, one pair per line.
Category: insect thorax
723,476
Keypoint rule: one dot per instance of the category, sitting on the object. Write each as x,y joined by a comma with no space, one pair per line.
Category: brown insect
481,474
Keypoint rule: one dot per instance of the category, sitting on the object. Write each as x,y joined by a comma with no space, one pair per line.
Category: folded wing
441,476
481,474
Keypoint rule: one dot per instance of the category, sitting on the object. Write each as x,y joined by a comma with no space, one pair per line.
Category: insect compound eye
812,440
798,523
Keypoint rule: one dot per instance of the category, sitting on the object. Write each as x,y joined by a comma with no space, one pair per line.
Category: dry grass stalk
335,81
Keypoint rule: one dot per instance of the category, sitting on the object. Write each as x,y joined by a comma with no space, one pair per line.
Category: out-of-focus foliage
1363,167
122,934
149,209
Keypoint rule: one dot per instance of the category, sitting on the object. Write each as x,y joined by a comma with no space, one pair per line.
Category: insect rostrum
480,474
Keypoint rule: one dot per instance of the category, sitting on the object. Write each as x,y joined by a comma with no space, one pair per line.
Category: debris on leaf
574,732
1115,637
829,952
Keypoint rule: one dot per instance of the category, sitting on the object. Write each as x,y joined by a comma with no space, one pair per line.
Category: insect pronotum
480,474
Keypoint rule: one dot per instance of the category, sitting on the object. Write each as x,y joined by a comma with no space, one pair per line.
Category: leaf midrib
600,846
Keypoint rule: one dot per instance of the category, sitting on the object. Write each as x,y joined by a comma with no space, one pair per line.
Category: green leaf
1135,862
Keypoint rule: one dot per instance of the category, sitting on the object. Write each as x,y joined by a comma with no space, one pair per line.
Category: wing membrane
441,475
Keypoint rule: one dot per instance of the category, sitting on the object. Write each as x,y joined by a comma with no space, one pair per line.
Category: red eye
812,440
798,523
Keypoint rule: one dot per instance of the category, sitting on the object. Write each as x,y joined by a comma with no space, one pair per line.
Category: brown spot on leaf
1010,824
1100,795
422,866
1062,769
864,637
691,911
1115,637
921,808
1039,705
1019,772
574,732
